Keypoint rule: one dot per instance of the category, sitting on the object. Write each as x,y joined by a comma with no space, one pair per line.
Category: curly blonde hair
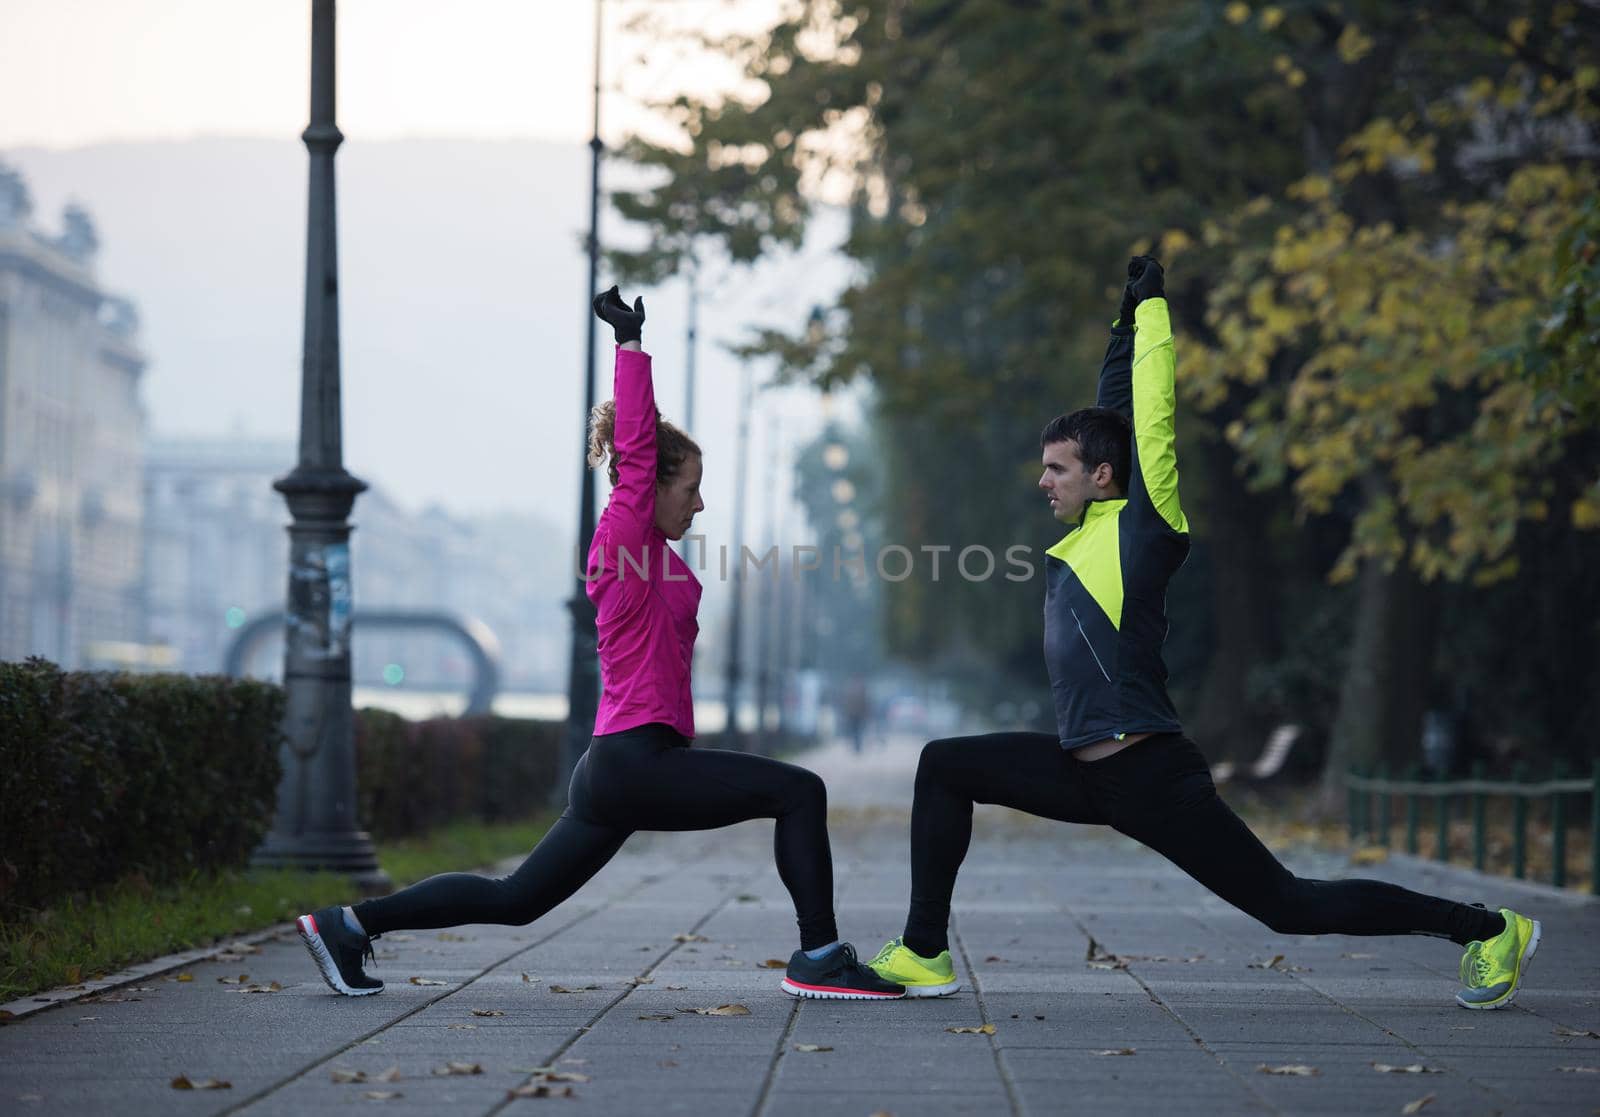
673,446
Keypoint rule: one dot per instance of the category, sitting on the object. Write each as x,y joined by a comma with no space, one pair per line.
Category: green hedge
106,776
414,776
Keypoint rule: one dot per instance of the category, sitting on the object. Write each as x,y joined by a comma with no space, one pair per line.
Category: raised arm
1116,371
633,498
1154,393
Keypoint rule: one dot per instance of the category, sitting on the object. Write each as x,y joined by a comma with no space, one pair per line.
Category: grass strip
133,922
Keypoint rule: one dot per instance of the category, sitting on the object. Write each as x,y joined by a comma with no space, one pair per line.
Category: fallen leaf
572,988
809,1047
720,1010
184,977
271,987
1293,1069
458,1068
1417,1106
400,938
426,981
240,980
676,988
636,981
529,979
1276,958
487,1012
541,1091
994,958
461,1027
1579,1070
341,1075
1116,1051
974,1030
450,936
381,1095
657,1016
564,1076
1408,1068
689,936
1038,1016
390,1075
1105,964
1577,1033
1369,855
775,964
184,1082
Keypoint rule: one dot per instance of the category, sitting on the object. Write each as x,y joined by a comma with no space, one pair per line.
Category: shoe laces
883,955
1482,967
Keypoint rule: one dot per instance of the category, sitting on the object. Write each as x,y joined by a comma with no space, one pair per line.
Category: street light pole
583,674
732,736
315,823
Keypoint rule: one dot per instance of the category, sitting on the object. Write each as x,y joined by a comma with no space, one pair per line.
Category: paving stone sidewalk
1113,984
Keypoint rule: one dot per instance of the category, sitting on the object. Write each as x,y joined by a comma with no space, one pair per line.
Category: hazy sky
74,72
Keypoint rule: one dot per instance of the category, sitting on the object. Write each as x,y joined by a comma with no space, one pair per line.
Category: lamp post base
349,853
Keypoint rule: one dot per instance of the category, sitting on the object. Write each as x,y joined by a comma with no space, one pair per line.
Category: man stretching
1119,757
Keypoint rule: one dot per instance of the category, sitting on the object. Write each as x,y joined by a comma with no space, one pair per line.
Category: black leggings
640,779
1159,792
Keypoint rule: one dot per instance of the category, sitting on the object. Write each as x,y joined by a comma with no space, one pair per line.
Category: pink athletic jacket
645,596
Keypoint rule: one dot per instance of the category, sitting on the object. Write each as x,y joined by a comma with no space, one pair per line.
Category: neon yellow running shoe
922,977
1491,972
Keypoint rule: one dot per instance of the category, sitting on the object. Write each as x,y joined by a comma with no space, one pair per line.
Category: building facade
71,441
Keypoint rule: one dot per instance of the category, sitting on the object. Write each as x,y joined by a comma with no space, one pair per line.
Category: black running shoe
338,952
837,976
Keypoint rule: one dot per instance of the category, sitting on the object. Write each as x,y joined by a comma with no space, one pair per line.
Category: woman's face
678,499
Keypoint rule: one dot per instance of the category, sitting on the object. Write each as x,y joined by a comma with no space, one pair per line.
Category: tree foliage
1380,226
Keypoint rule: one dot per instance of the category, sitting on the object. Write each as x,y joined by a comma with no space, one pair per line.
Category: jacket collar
1094,510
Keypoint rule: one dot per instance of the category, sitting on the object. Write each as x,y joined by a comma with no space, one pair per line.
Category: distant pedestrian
1119,757
640,771
854,706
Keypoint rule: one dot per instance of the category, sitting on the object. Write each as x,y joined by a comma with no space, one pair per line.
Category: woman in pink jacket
640,771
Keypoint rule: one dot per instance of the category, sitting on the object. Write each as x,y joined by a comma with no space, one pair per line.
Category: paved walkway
1111,982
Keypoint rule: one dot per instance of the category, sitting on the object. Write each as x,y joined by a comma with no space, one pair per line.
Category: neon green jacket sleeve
1154,482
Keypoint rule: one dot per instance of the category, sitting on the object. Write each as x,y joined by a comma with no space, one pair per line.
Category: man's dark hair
1102,435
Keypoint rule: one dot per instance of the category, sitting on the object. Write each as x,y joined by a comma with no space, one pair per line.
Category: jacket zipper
1086,640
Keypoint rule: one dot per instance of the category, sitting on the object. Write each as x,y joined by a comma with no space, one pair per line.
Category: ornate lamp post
315,824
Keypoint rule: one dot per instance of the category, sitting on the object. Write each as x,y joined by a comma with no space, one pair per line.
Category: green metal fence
1445,795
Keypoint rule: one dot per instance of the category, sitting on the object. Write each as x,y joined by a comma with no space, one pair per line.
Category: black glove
625,321
1146,280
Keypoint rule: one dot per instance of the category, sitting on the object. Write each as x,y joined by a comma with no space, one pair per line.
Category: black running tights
1159,792
640,779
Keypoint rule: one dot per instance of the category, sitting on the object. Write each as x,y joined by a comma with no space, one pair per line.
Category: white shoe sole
1522,972
933,990
818,994
324,960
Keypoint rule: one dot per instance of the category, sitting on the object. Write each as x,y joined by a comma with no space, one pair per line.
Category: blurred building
71,436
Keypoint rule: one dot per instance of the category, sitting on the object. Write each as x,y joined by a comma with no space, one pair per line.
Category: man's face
678,500
1068,484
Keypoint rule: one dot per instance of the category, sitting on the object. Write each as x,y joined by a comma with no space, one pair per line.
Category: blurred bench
1274,756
